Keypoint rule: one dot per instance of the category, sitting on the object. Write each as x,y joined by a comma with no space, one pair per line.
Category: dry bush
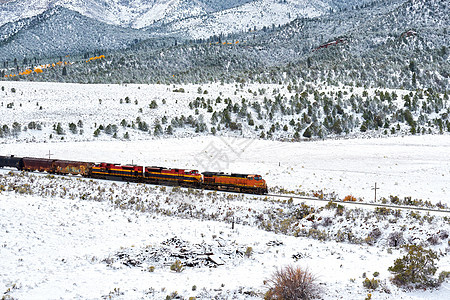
292,283
177,266
327,221
349,198
371,284
396,239
248,252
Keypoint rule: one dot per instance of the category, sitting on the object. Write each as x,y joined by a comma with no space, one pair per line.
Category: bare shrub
248,252
396,239
443,276
371,284
349,198
292,283
373,236
434,240
177,266
443,234
327,221
375,233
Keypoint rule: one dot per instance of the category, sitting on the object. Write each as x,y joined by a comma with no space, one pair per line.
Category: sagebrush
292,283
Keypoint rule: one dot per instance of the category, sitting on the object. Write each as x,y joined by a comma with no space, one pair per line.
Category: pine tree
307,133
73,128
416,269
59,130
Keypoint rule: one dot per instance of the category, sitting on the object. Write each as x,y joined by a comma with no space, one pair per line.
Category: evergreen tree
416,268
169,130
307,133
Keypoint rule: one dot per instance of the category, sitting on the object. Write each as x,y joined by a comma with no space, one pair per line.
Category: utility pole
49,154
375,189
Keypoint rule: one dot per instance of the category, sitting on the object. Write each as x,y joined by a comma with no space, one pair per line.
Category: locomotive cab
257,182
191,172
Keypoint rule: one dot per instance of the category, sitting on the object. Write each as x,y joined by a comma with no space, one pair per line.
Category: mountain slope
60,31
126,13
255,14
374,51
185,18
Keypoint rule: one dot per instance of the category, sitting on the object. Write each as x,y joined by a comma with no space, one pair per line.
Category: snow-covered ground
416,166
124,106
61,237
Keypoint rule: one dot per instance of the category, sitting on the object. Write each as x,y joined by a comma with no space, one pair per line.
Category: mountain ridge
60,31
395,44
131,13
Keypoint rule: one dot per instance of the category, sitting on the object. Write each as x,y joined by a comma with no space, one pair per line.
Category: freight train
243,183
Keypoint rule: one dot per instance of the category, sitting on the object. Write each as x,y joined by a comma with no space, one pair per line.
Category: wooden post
375,189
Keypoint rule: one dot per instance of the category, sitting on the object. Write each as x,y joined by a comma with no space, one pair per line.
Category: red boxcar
38,164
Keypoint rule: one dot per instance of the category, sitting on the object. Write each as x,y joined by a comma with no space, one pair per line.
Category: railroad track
308,198
402,207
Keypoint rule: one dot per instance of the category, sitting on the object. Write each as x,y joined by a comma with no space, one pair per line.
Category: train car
65,167
11,161
245,183
181,177
117,172
38,164
155,175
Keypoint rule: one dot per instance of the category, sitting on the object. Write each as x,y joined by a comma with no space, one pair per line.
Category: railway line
296,198
365,204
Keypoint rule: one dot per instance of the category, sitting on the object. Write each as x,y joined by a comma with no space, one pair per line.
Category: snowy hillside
274,112
60,31
388,44
342,107
255,14
139,14
192,19
68,237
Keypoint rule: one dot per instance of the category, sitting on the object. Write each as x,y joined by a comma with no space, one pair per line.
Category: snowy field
65,237
416,166
53,247
44,105
64,241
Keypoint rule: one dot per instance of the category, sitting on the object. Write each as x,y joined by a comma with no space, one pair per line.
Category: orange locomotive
245,183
